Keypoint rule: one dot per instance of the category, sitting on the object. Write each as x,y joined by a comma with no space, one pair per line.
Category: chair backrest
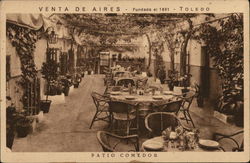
99,99
110,82
119,73
103,140
119,107
187,99
173,106
141,82
154,87
159,121
114,143
125,82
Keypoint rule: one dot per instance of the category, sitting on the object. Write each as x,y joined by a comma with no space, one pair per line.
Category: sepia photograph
128,85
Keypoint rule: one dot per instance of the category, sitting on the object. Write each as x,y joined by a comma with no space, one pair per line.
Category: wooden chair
114,143
125,82
170,107
159,121
102,111
187,101
123,113
237,146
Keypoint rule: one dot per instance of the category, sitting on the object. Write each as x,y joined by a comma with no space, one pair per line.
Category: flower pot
66,91
171,87
59,92
10,138
23,130
52,92
76,85
45,105
239,114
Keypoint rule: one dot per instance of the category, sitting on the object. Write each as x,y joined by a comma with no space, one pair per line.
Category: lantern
53,37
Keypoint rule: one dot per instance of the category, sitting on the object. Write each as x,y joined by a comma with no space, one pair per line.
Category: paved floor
66,127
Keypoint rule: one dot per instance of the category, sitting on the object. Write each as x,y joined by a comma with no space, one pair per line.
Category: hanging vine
24,39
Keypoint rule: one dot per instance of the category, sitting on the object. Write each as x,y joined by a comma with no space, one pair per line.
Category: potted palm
49,72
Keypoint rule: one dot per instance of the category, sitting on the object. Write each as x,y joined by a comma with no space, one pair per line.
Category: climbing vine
24,39
225,46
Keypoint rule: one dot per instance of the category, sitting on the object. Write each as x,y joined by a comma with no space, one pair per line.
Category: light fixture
53,37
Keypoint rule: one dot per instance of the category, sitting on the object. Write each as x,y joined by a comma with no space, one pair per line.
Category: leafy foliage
49,70
24,39
225,46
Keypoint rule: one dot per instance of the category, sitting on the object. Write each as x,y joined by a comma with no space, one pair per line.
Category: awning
37,21
32,21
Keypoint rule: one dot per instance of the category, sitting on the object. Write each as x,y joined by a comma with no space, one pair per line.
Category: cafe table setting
146,97
180,140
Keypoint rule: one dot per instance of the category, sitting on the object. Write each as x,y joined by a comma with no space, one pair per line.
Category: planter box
58,99
223,117
45,105
33,123
40,117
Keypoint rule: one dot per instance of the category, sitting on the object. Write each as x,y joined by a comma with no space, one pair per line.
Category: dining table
145,99
171,146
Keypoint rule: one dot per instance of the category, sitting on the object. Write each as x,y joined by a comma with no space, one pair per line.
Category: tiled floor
66,127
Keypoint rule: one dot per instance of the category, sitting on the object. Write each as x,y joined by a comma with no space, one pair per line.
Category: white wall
15,64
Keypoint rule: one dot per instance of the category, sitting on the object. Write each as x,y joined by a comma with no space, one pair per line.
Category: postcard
124,81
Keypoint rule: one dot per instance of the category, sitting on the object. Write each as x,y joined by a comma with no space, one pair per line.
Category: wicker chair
237,146
119,73
159,121
102,112
171,107
123,113
114,143
187,101
141,83
125,82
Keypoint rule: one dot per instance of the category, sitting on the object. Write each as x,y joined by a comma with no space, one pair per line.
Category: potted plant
185,82
77,80
23,125
172,74
161,74
65,85
49,72
199,96
10,125
239,114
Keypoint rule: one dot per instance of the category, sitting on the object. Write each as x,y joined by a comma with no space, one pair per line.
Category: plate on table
115,93
153,145
157,97
130,97
168,92
125,89
208,144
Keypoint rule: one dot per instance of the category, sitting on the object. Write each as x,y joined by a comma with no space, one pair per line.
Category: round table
159,139
145,99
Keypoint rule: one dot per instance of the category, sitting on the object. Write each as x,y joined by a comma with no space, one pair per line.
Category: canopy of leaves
107,29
